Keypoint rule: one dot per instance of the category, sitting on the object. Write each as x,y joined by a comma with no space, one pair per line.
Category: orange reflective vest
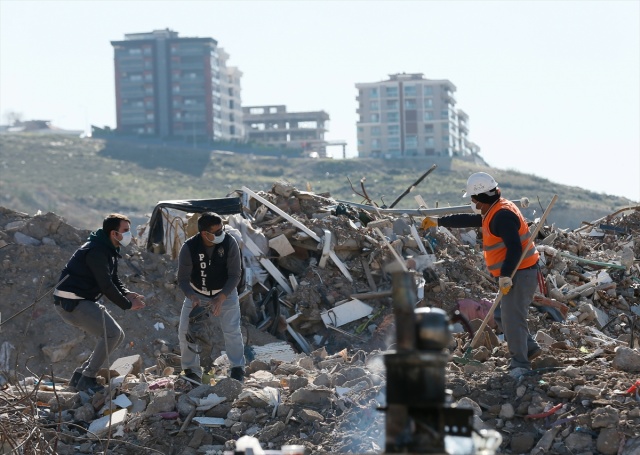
494,248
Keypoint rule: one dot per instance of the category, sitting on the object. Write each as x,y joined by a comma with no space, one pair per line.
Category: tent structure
160,225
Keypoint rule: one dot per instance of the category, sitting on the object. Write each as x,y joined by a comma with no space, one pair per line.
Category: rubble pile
318,317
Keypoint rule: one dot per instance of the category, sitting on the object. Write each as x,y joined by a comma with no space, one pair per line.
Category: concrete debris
316,376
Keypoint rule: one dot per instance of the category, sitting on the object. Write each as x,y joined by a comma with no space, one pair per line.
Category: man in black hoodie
92,272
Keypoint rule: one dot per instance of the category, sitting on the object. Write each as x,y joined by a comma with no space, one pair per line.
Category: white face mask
219,238
126,238
216,238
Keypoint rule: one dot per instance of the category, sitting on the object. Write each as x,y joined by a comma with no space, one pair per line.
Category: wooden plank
392,249
414,233
371,295
367,272
326,249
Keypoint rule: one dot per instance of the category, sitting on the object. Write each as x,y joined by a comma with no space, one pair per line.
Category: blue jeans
87,316
230,324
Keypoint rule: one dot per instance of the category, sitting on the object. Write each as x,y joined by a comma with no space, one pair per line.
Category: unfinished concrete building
274,126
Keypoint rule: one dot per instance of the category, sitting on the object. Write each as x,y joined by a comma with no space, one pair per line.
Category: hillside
83,179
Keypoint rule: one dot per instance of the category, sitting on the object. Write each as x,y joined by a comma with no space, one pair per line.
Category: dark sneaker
237,373
534,354
192,377
87,384
73,382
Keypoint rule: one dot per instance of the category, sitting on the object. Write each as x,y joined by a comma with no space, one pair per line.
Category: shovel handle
534,234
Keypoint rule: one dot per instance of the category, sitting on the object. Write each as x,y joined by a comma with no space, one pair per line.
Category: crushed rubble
317,320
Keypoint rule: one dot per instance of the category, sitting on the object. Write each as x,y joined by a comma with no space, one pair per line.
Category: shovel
466,359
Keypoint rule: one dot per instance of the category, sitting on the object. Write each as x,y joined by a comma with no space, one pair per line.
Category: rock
61,351
607,417
608,441
161,401
577,442
522,442
627,359
309,415
507,411
22,239
307,396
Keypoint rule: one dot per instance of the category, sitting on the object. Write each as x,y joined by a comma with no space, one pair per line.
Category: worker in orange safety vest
505,233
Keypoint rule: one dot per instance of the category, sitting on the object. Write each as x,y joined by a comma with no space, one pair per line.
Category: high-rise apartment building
169,86
408,116
231,102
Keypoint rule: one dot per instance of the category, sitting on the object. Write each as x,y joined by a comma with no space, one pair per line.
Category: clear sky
551,88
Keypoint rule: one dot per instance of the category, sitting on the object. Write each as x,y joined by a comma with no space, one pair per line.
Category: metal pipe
522,203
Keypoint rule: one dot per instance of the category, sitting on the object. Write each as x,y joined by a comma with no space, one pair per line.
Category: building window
429,142
411,152
375,131
393,142
444,114
428,128
392,117
428,115
391,91
428,102
392,104
427,90
409,90
393,130
375,118
410,104
411,141
373,105
375,143
135,51
429,151
374,92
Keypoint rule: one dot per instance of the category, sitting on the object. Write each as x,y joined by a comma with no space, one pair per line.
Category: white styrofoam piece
345,313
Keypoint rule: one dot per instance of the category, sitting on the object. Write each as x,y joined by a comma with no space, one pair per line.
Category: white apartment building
410,116
231,100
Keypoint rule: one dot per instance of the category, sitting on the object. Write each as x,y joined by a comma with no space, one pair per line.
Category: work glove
429,222
505,283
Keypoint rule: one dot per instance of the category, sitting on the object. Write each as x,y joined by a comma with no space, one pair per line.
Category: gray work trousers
88,317
230,324
511,317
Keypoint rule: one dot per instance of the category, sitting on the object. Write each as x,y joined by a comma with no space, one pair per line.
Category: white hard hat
480,182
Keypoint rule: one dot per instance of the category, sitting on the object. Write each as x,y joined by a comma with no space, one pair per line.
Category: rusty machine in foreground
418,413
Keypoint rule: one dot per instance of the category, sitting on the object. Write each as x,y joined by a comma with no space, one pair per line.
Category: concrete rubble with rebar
316,375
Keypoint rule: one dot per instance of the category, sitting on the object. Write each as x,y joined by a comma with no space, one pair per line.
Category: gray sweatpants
88,317
230,324
511,317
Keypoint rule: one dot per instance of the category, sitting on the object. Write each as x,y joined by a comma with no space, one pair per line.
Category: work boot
534,353
237,373
192,377
73,382
87,384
